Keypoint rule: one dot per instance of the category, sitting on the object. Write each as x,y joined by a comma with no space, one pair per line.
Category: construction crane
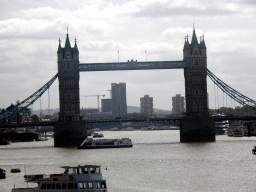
98,97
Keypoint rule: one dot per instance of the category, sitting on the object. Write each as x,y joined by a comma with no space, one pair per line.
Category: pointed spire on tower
194,38
67,44
75,47
202,43
186,44
59,49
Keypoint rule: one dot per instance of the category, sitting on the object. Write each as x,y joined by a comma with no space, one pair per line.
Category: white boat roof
81,166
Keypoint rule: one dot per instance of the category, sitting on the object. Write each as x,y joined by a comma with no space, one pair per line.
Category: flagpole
146,55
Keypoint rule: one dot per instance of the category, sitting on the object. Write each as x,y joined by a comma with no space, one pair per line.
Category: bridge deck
132,66
149,120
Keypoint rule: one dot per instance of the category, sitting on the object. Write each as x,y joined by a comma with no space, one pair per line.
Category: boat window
75,185
90,186
97,185
78,171
43,186
81,186
48,186
92,170
97,170
58,186
70,185
103,185
84,170
71,171
64,186
53,185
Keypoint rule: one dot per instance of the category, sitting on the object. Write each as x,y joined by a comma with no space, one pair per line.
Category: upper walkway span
133,65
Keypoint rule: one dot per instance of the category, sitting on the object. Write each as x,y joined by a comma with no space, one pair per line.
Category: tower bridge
196,126
194,63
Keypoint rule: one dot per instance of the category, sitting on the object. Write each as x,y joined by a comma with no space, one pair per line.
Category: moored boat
127,129
254,150
238,129
84,178
90,143
2,173
16,170
114,129
5,142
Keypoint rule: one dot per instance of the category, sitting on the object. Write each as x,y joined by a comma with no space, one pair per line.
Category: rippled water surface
156,162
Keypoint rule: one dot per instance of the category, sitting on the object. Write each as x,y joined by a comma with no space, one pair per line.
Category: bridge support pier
68,133
197,129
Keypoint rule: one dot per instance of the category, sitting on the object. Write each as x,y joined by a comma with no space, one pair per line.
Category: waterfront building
118,97
146,104
178,104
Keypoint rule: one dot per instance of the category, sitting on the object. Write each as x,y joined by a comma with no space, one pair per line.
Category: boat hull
103,146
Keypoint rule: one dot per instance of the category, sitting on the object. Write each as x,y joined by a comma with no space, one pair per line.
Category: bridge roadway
148,120
133,65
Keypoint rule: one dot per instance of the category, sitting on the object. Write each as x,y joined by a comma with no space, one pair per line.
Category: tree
34,118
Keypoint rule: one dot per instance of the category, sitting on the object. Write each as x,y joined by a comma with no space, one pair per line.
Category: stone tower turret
195,77
68,73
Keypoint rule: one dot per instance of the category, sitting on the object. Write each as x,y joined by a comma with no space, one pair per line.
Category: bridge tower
197,125
67,130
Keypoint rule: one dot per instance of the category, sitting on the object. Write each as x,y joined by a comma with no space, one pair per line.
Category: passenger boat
221,127
2,173
90,143
238,129
84,178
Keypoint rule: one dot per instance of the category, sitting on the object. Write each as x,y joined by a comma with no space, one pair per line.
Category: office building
118,97
106,105
178,104
146,104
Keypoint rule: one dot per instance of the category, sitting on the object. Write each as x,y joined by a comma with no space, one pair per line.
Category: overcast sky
29,33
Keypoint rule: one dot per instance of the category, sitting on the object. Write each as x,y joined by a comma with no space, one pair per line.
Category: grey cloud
163,10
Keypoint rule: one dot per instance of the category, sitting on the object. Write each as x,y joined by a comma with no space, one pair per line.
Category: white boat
221,127
238,129
90,143
114,129
85,178
127,129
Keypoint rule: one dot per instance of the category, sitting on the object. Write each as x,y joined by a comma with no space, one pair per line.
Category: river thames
157,162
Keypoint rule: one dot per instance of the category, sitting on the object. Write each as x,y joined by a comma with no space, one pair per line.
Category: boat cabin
84,178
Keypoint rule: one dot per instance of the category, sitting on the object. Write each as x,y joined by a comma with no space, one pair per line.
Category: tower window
69,82
196,52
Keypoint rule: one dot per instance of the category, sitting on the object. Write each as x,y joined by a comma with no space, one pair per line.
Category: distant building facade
118,97
178,104
146,104
106,105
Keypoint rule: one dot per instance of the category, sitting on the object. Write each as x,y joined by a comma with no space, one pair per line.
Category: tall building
146,104
118,97
106,105
178,104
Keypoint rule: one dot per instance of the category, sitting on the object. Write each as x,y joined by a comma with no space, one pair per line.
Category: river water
157,162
